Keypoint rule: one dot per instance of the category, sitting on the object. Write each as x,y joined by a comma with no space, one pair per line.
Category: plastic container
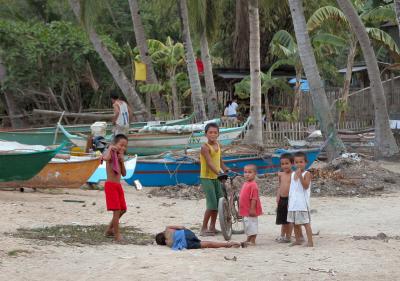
99,129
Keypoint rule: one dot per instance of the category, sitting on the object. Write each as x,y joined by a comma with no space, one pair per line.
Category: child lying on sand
179,238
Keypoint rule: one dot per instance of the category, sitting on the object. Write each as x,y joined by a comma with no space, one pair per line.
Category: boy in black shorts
282,198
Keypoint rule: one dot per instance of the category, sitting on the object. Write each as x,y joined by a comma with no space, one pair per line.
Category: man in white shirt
121,115
232,109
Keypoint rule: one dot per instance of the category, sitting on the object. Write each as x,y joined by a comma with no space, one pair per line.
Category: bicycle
228,207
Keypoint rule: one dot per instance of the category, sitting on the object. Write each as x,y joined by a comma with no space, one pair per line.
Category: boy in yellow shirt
211,166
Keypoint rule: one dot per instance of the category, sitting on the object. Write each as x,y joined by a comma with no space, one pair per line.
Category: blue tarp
304,87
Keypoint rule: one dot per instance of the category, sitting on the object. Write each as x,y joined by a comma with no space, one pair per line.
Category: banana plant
371,17
169,56
284,47
242,89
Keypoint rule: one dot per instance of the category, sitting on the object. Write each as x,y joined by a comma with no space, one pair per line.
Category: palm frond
283,44
329,39
379,15
324,14
150,88
381,37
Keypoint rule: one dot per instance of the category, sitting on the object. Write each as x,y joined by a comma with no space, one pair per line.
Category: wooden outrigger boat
46,135
25,163
61,173
157,143
100,174
186,170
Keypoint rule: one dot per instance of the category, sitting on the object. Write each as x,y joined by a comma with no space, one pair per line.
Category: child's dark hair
287,156
301,154
114,95
119,137
211,125
160,239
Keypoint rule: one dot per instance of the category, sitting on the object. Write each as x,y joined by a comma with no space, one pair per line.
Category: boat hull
166,172
100,174
61,175
45,136
152,144
24,166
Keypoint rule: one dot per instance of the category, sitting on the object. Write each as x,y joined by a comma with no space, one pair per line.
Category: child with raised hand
210,166
282,198
249,204
299,200
115,198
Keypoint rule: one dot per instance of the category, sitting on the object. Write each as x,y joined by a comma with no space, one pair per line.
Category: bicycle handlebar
226,175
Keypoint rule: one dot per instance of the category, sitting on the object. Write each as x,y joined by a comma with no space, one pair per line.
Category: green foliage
40,56
285,116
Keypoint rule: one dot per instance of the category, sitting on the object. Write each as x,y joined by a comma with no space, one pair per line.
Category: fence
277,133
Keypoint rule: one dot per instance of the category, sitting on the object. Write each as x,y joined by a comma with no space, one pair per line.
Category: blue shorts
191,240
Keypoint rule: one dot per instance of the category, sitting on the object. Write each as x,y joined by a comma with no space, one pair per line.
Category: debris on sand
380,236
82,234
345,176
181,191
18,252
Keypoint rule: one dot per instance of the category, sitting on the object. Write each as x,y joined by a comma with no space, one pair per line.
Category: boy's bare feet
233,245
295,243
205,233
109,234
309,244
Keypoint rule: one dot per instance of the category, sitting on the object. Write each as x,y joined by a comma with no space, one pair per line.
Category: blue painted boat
186,170
101,174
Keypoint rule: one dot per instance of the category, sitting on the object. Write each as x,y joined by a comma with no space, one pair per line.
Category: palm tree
140,37
385,144
112,65
370,16
241,35
205,14
320,101
197,95
255,128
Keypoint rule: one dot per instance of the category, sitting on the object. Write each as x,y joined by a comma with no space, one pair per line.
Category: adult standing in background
233,108
121,115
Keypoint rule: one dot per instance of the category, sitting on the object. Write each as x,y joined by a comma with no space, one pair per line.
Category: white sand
337,219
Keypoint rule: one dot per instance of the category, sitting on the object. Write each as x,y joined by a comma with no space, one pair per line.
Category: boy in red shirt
115,198
249,204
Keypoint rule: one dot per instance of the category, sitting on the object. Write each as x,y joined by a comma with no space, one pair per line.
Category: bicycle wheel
237,220
225,219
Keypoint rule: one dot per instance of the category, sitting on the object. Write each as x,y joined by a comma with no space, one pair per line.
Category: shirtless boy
115,198
282,198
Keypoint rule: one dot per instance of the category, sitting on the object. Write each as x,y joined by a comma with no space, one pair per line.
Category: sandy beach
336,255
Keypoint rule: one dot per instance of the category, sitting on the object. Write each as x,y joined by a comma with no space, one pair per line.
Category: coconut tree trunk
212,101
112,65
255,128
175,100
241,36
349,73
320,101
397,9
197,95
141,42
297,92
385,144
